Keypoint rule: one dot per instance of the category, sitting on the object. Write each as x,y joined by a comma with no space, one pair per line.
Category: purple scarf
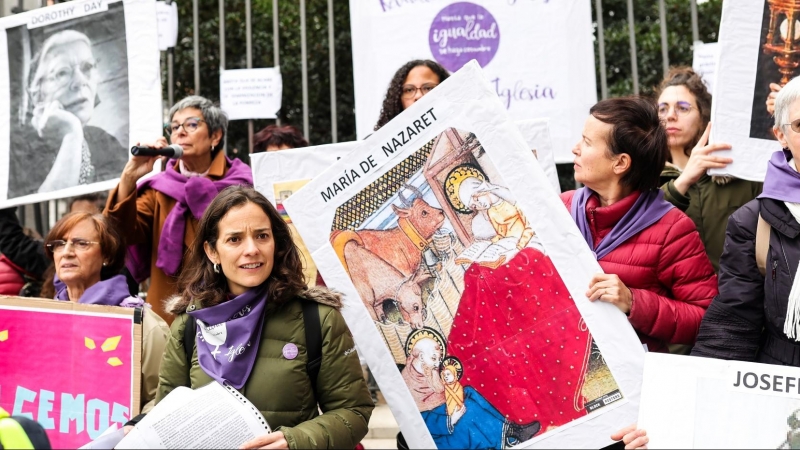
648,209
234,326
110,292
782,181
173,184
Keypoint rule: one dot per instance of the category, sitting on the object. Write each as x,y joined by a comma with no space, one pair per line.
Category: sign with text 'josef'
537,55
251,93
73,368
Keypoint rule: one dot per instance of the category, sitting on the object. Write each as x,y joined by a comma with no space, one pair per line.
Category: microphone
174,151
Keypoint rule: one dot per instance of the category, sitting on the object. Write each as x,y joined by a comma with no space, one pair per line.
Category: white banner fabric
537,55
691,402
69,110
745,70
449,244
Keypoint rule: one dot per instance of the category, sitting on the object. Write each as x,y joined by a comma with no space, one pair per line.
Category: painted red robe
522,341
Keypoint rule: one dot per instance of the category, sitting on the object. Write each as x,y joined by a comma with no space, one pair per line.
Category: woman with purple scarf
756,316
88,253
656,268
244,297
159,215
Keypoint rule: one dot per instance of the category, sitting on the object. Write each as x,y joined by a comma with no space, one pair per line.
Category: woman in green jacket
684,106
243,289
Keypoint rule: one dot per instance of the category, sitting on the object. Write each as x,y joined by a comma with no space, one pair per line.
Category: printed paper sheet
464,281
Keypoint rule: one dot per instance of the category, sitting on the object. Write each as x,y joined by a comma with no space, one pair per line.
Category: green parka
280,388
709,203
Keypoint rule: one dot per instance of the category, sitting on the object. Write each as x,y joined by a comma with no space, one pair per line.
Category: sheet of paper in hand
715,403
469,351
69,110
750,59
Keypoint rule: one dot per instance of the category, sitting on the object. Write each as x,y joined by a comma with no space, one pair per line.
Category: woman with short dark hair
274,138
656,270
244,276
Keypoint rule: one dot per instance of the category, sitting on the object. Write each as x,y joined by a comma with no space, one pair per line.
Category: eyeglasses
61,76
681,109
795,124
409,90
189,125
80,245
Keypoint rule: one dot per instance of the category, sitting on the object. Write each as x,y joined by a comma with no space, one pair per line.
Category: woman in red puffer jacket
656,268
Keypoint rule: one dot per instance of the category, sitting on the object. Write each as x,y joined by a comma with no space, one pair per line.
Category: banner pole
196,37
276,43
304,58
634,62
249,30
662,17
601,41
332,65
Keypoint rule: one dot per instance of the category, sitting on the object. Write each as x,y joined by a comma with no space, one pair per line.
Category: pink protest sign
73,368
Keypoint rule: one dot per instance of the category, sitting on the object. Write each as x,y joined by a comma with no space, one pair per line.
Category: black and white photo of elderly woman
57,148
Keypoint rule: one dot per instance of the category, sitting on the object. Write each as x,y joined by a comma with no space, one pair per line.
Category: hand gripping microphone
174,151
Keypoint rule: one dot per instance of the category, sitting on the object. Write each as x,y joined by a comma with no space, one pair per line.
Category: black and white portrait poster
69,111
752,40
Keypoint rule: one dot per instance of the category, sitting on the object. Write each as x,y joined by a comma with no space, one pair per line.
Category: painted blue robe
480,427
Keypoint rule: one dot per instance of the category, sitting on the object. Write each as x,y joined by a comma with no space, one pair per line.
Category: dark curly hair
392,104
275,136
688,78
198,280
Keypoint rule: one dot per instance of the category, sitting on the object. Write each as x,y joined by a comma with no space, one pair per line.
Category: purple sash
229,334
110,292
202,191
782,182
648,209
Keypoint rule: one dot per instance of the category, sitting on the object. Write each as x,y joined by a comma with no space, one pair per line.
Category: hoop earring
216,268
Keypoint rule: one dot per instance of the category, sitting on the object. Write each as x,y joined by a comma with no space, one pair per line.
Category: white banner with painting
464,281
70,104
750,60
537,55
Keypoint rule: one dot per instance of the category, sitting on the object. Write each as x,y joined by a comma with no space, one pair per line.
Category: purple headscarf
235,326
782,181
173,184
110,292
648,209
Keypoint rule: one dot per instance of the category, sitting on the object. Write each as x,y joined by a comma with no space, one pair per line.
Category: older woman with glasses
88,253
159,215
684,105
57,149
411,81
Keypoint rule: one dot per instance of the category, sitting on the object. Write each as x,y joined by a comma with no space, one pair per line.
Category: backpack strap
762,244
189,335
313,330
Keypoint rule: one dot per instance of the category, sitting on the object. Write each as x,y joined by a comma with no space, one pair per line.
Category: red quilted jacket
666,268
11,280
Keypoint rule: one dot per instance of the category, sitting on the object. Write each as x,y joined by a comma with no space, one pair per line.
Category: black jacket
25,252
745,321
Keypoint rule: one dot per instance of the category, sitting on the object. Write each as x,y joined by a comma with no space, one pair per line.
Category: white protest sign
167,24
57,142
537,55
718,404
704,62
251,93
744,72
461,267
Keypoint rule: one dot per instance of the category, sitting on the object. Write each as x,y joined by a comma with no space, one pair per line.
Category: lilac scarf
648,209
234,326
782,182
110,292
202,191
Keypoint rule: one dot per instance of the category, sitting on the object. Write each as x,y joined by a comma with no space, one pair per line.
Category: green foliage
648,41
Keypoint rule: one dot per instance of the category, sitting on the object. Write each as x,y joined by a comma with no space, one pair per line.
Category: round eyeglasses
80,245
409,90
189,125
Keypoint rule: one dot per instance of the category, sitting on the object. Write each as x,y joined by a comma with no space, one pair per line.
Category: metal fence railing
42,216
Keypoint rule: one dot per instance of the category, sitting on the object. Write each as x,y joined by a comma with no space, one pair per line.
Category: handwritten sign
251,93
705,62
73,368
539,66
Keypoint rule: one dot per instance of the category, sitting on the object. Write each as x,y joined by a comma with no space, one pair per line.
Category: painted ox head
425,218
409,299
